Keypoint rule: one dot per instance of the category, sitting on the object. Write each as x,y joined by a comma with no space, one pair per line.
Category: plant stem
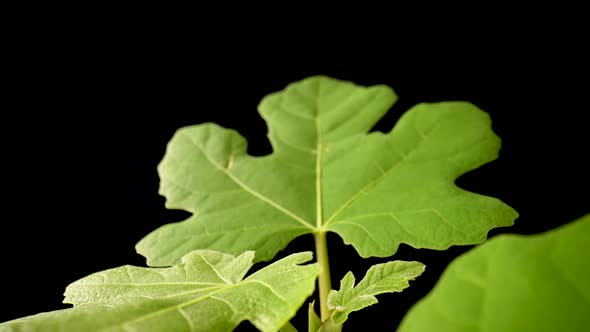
325,283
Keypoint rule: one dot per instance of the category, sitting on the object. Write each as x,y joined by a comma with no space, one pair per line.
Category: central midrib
319,224
318,162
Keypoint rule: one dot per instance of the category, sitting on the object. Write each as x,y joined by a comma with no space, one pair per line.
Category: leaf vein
260,282
187,319
366,231
250,190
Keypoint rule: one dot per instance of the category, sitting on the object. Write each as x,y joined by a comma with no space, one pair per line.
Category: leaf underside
381,278
327,173
205,292
513,283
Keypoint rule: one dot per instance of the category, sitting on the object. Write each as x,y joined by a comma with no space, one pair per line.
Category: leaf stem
324,281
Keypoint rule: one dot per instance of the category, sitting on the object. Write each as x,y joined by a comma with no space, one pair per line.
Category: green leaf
327,173
513,283
381,278
205,292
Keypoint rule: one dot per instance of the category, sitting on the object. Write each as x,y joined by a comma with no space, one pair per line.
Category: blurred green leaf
513,283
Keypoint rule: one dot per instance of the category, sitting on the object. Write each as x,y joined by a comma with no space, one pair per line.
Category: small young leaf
330,326
513,283
327,173
381,278
315,324
205,292
288,327
313,320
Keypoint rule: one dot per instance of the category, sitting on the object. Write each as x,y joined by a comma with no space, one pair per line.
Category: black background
79,183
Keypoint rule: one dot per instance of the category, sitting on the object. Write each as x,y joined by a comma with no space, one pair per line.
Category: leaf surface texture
205,292
328,173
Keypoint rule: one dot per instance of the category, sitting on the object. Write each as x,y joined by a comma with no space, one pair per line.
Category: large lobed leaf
513,283
205,292
327,173
383,278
